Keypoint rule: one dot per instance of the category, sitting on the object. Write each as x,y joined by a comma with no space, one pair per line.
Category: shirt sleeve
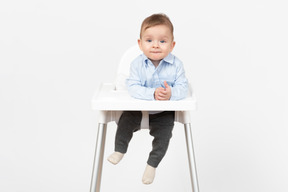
180,88
136,86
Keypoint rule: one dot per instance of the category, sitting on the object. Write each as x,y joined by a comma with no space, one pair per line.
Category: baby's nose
155,44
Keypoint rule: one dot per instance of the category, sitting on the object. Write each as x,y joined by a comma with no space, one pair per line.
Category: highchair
113,98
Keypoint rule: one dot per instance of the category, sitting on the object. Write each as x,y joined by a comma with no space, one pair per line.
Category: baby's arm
135,85
180,87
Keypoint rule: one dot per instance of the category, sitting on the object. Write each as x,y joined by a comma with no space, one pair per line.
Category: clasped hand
163,93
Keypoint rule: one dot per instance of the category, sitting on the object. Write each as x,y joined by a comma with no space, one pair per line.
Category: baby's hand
163,93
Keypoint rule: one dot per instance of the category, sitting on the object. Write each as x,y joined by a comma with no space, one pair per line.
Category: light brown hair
156,19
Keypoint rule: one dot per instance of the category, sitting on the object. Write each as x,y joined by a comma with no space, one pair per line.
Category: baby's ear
140,45
173,45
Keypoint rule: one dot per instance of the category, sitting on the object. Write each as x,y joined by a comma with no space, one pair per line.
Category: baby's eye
162,41
149,40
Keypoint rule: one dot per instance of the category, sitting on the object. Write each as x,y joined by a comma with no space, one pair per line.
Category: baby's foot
115,157
148,175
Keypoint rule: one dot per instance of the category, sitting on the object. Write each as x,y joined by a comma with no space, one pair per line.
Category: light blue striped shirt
145,78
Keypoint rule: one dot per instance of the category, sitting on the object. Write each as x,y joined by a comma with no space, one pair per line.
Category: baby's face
156,42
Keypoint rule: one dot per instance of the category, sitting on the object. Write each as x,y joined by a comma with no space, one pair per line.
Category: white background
54,54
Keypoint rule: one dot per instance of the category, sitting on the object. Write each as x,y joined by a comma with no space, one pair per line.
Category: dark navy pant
160,126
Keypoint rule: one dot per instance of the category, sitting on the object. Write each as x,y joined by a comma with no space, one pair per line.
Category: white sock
115,157
148,175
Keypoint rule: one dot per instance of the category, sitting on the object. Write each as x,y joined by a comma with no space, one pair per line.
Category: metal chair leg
191,157
98,158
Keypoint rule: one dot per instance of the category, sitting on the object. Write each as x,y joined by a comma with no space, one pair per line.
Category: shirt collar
168,59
